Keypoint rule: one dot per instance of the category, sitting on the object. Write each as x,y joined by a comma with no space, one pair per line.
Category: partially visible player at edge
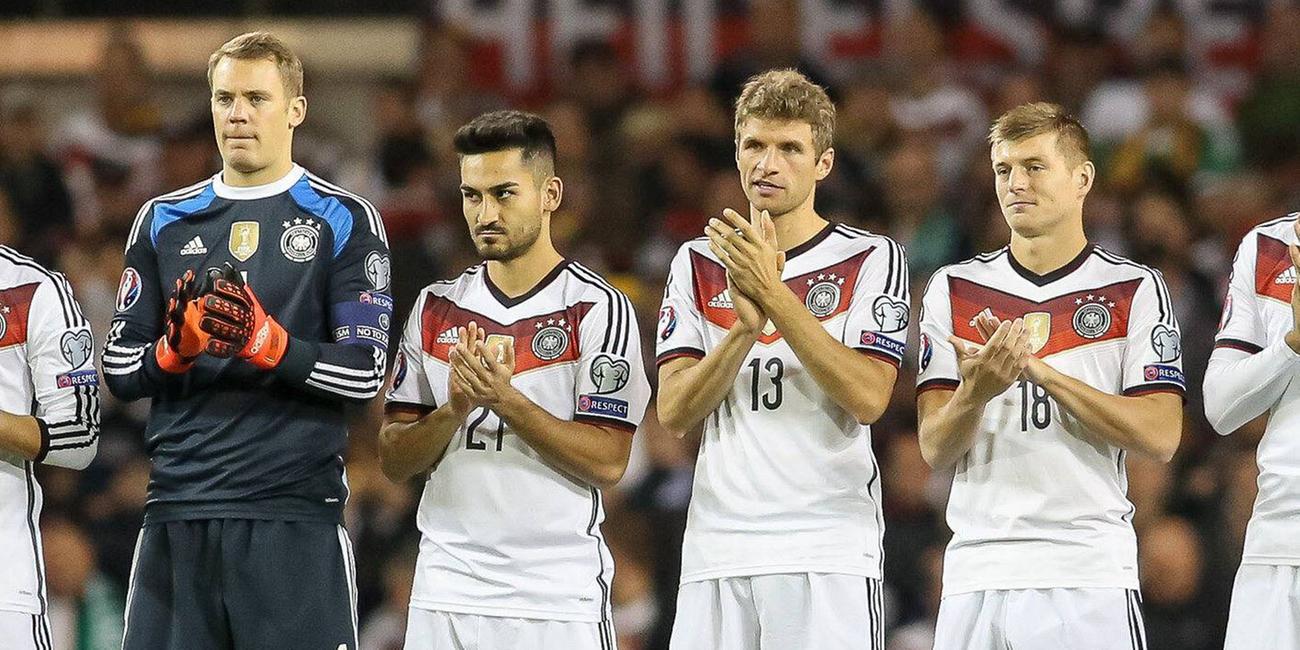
516,391
782,334
250,374
1252,371
1041,366
49,414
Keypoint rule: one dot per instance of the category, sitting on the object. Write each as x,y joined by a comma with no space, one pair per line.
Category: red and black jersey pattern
1275,276
1056,325
15,305
827,292
539,341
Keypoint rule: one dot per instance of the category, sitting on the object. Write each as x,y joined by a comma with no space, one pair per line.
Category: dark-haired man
516,391
242,544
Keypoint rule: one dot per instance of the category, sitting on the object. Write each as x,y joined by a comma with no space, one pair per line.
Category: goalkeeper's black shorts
242,583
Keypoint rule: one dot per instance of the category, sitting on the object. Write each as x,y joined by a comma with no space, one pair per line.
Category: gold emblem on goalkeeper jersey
1039,326
243,239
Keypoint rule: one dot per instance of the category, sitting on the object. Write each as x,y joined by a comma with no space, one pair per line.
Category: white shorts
1265,610
22,631
428,629
1041,619
826,611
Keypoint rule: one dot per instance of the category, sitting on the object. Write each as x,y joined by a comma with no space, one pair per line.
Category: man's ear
297,111
552,193
825,163
1085,175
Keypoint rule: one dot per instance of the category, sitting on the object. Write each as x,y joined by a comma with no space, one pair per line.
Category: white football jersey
47,370
786,481
1257,315
1036,502
503,531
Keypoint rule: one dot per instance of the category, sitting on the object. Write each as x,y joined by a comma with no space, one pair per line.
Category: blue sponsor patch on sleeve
601,405
87,377
878,341
1163,373
364,322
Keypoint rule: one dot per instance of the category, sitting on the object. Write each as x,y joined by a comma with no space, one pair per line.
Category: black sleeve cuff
45,441
605,422
299,359
937,384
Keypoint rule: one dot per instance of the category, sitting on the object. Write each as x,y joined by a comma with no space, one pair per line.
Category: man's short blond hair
788,95
255,46
1029,120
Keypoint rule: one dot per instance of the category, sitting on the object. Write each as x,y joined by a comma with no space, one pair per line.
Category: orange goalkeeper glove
238,318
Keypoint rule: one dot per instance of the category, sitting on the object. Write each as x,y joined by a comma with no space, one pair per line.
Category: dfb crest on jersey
667,322
379,270
824,294
300,240
891,316
244,236
609,375
128,292
927,351
551,340
1092,319
1166,343
4,324
76,347
1038,325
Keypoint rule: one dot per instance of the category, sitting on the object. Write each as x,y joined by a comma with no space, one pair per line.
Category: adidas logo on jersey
194,247
449,337
722,300
1286,277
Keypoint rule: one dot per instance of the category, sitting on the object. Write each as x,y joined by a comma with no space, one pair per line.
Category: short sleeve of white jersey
60,355
881,309
680,332
1240,325
411,389
611,387
1153,355
937,360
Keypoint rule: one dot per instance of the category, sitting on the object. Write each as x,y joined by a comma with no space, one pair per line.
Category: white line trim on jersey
147,209
340,391
345,383
372,214
130,587
350,573
32,526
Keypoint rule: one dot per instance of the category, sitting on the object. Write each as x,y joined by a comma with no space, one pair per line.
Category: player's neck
1047,253
518,276
797,226
263,176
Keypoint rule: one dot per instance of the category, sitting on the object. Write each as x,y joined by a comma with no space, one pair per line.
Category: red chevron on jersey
539,341
1274,274
1056,325
15,304
826,292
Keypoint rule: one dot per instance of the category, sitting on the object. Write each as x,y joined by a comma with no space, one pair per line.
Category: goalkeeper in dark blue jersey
254,308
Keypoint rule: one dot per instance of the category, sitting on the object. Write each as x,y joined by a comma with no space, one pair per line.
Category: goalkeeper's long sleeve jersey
227,439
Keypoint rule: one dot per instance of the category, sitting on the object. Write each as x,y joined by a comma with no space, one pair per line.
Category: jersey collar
257,191
1051,276
507,301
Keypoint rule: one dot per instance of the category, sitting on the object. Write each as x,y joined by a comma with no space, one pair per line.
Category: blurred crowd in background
1184,170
